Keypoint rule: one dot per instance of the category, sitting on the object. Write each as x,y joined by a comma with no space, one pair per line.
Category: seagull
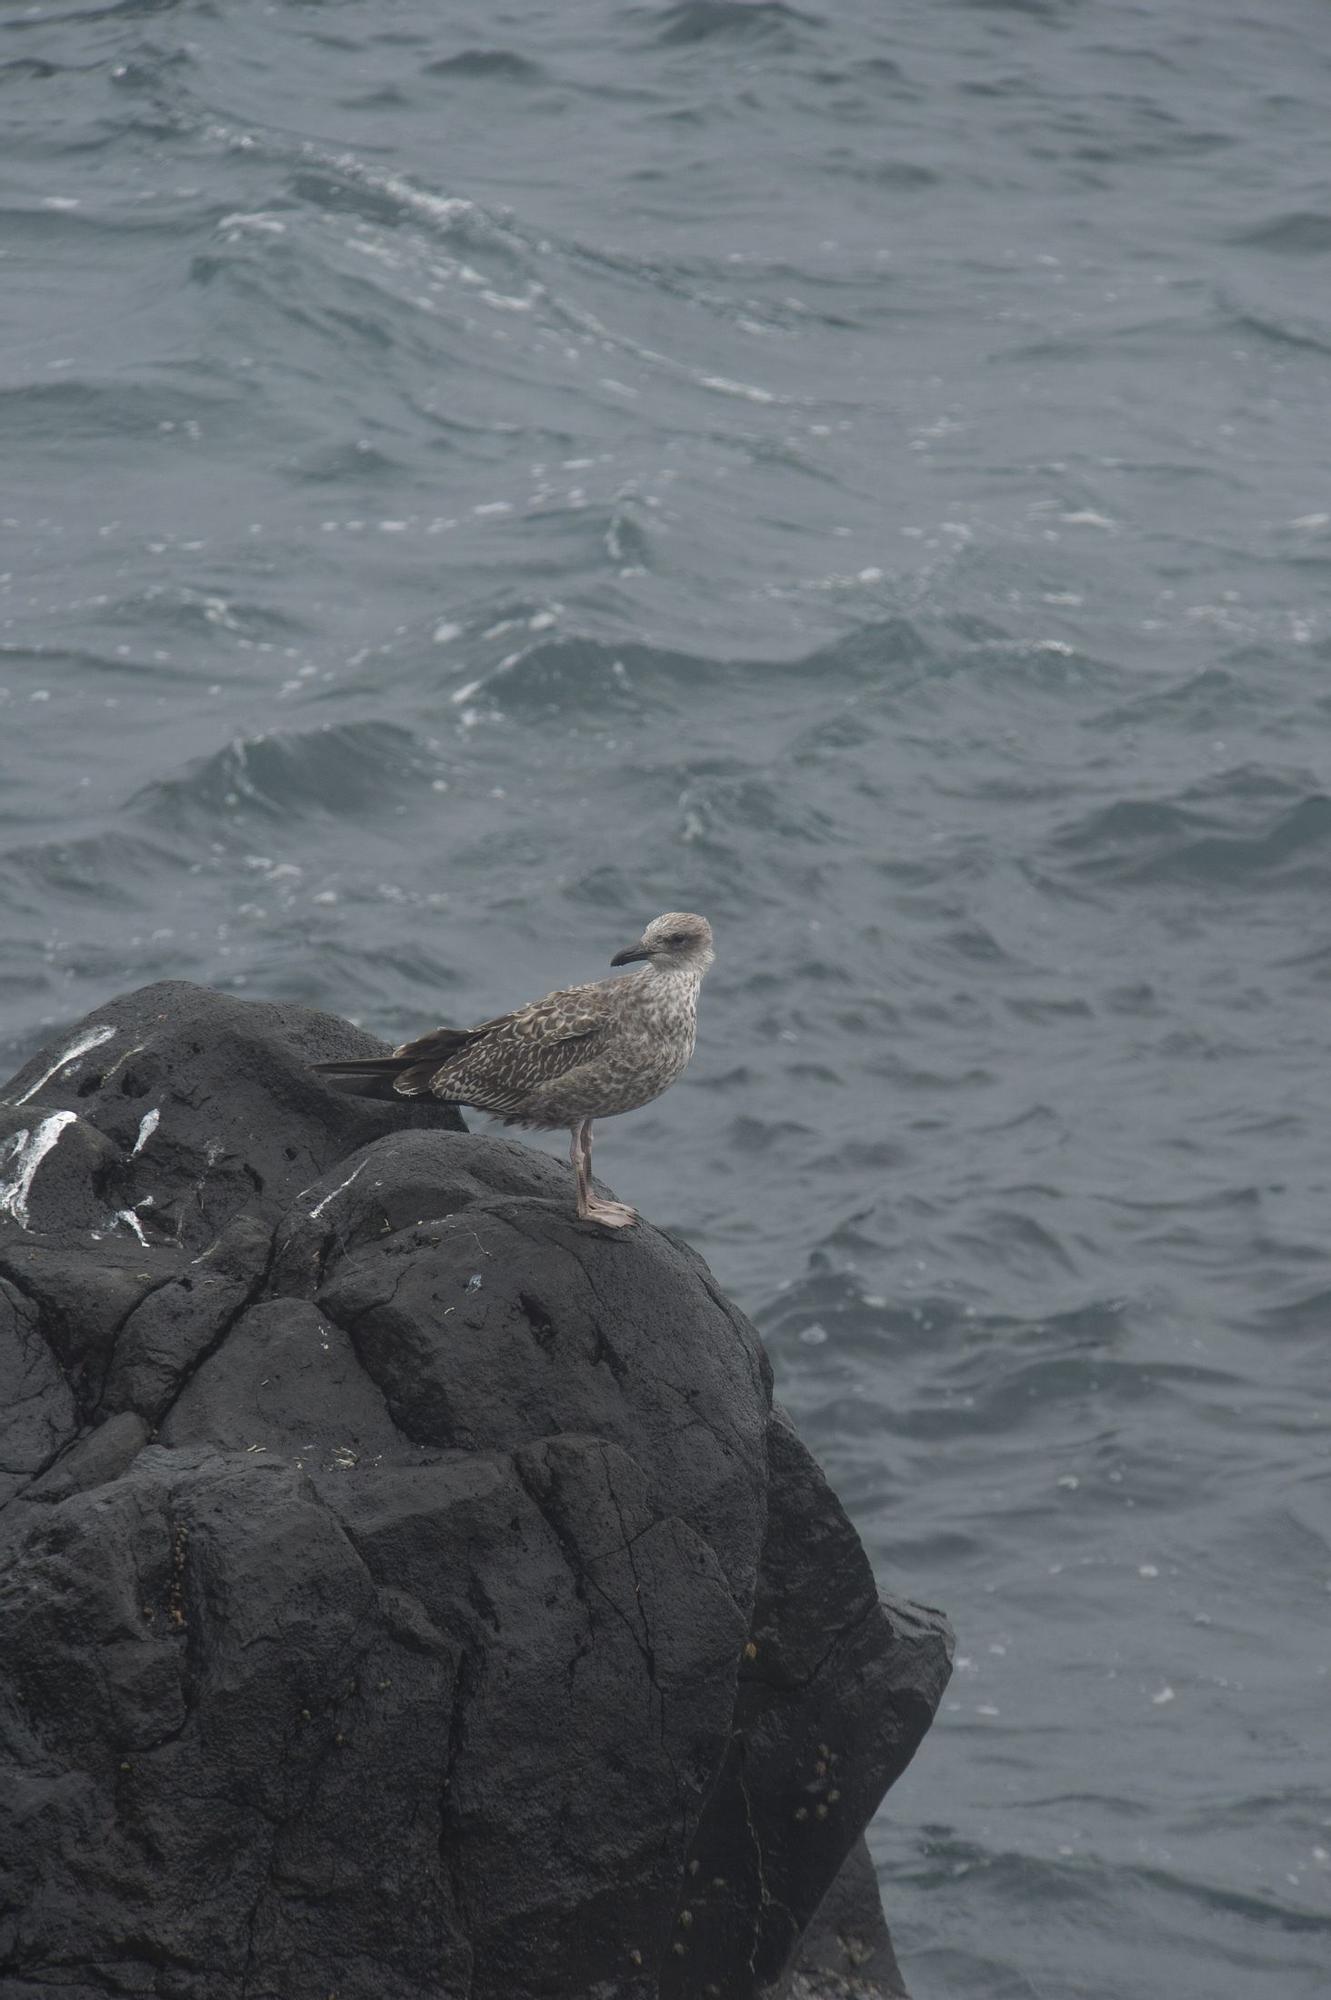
582,1053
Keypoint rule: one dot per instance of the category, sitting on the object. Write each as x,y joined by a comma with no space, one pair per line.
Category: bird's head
676,942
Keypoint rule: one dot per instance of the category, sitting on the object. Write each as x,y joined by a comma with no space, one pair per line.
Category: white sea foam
465,694
261,222
725,387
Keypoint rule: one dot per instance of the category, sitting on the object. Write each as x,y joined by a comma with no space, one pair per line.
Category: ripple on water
351,768
486,66
769,22
112,869
1233,832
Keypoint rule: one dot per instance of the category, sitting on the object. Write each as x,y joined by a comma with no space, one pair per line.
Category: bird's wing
502,1061
414,1064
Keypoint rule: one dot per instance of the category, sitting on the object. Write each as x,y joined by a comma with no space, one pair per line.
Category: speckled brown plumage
581,1053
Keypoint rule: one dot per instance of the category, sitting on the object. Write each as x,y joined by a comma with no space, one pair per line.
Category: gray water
474,477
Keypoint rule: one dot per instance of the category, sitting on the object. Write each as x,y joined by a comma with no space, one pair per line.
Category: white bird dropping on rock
582,1053
26,1152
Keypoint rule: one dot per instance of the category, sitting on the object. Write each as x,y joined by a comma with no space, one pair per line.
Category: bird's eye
678,937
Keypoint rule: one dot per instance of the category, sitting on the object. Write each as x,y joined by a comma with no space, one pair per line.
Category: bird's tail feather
411,1068
390,1066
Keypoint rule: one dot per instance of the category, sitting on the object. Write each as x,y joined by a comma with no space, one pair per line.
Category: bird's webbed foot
610,1214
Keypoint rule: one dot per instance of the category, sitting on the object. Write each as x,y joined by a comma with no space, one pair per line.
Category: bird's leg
580,1159
611,1214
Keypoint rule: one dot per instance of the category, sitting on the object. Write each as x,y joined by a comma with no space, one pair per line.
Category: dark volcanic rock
407,1593
846,1953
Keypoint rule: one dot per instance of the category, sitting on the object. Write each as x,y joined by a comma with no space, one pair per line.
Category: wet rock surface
405,1590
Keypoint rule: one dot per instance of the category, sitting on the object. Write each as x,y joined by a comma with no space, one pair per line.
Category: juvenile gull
584,1052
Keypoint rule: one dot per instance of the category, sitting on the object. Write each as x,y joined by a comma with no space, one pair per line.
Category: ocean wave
111,870
358,768
1298,232
772,23
1158,842
487,66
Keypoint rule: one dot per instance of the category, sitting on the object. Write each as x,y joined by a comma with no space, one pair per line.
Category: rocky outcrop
406,1592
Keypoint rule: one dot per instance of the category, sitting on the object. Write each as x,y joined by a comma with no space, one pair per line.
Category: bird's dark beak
627,957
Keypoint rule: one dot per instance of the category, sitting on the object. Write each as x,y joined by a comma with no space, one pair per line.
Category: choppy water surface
473,478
